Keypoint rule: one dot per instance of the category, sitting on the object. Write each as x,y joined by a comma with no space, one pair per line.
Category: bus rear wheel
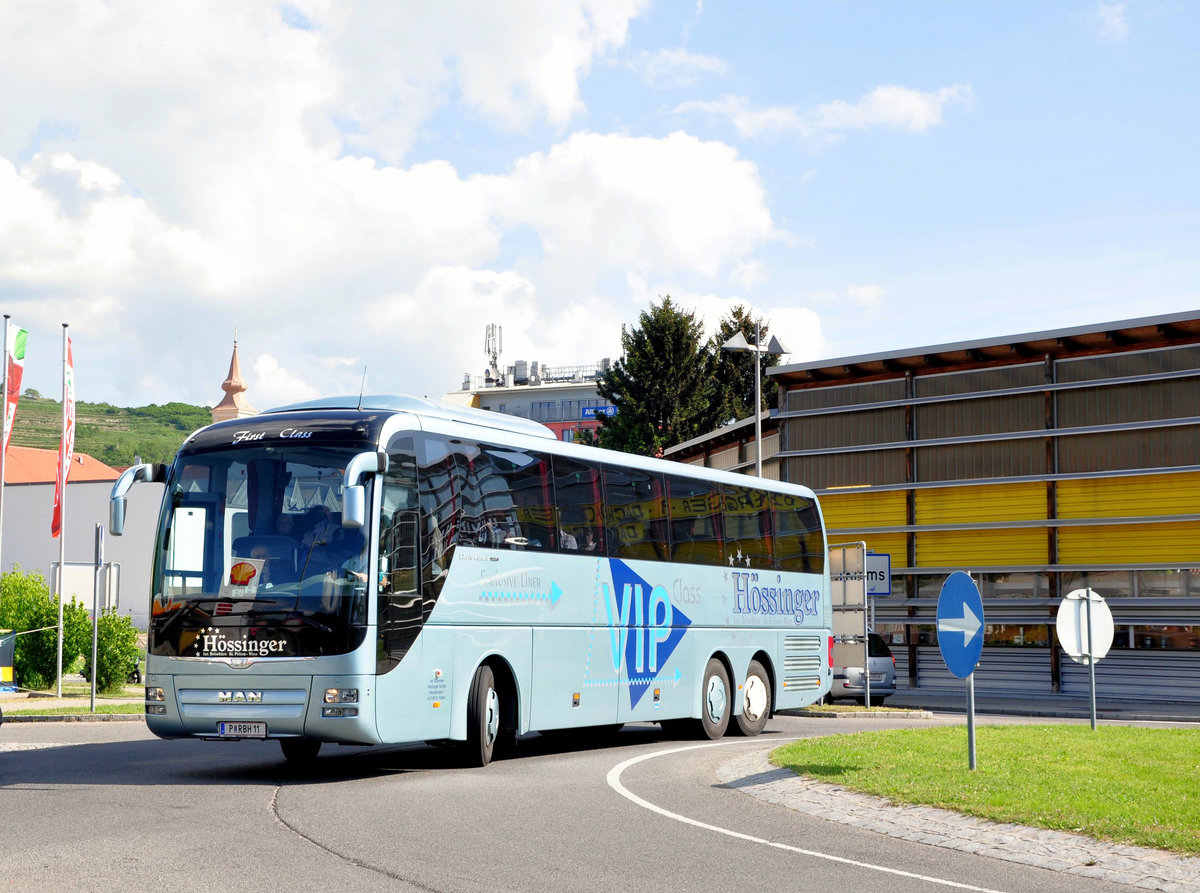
756,701
299,751
715,703
483,719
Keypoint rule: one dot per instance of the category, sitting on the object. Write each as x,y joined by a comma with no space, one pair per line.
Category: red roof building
26,465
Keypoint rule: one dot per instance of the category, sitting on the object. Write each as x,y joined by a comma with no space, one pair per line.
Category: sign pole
1091,661
96,607
960,639
971,722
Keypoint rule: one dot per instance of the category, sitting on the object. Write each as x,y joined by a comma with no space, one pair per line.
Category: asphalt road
105,806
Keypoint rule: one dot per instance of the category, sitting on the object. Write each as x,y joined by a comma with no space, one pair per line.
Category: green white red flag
66,446
14,359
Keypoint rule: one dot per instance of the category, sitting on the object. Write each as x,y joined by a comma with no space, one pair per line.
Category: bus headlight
339,711
341,696
153,693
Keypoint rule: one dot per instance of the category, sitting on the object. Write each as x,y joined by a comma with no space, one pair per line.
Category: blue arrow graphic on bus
644,627
645,681
968,624
504,595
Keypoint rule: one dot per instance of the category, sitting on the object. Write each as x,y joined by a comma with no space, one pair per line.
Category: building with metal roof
1040,463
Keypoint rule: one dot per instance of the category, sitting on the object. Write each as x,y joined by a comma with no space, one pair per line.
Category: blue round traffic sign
960,624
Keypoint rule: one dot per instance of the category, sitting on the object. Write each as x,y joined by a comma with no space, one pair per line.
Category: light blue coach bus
370,570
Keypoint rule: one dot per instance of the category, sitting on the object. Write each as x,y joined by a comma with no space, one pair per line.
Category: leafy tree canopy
663,386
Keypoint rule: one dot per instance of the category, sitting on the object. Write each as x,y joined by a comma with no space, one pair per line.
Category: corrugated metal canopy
1134,334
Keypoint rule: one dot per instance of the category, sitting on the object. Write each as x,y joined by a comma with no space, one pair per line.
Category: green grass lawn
1117,783
72,708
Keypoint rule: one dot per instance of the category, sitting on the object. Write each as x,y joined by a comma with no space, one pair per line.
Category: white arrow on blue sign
960,624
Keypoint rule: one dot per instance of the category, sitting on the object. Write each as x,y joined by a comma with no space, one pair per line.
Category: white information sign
1072,624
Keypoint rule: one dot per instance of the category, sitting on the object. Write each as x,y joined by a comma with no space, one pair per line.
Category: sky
355,191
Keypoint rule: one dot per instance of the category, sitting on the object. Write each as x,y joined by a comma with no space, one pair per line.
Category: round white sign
1071,624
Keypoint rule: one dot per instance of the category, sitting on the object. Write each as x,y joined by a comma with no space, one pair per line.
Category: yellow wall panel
863,508
1177,544
1137,496
894,544
981,548
993,502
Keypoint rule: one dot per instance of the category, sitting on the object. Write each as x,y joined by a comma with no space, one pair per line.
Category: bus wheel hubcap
714,699
756,699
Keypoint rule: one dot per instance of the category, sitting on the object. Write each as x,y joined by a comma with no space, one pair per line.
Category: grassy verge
64,710
1118,783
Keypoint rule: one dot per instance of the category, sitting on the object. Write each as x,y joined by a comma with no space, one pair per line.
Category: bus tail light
831,652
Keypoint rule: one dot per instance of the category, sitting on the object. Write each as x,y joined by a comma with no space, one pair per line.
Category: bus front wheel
756,701
715,703
483,719
299,751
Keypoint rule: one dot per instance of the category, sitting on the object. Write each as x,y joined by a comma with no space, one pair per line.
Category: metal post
3,436
757,400
971,721
96,606
62,510
1091,661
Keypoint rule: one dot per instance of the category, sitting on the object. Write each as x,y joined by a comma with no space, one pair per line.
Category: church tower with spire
234,404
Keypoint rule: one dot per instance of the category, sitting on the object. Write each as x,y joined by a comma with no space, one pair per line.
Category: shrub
26,604
116,651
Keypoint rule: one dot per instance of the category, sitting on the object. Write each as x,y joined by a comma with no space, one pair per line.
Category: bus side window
747,527
694,506
635,513
799,544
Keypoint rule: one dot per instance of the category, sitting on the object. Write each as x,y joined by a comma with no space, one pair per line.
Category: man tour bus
372,570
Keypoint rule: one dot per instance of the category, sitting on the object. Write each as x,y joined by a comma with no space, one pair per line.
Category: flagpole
4,439
62,507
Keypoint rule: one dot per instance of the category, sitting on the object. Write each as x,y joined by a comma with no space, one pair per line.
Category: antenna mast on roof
492,346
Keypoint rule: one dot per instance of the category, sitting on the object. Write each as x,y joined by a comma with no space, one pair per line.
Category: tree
663,387
735,369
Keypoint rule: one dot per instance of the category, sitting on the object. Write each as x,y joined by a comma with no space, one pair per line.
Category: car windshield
252,559
876,647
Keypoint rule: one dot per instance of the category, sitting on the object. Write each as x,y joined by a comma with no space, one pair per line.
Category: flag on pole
66,446
14,360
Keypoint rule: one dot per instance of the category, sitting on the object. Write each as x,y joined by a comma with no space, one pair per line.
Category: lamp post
739,342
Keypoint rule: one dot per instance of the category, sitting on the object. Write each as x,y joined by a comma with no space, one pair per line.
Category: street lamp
739,342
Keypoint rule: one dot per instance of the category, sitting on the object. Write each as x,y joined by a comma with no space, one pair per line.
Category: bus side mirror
354,495
117,499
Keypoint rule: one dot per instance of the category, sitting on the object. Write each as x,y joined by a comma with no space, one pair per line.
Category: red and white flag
14,359
66,446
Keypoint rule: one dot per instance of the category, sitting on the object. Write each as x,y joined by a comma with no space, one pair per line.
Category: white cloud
865,295
605,203
677,67
272,385
891,106
888,106
1111,22
748,121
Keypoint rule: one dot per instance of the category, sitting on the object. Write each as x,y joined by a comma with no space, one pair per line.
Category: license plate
876,677
242,729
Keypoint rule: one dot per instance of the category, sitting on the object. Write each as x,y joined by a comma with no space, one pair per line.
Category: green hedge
26,603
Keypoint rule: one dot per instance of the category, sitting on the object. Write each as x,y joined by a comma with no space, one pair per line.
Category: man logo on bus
644,627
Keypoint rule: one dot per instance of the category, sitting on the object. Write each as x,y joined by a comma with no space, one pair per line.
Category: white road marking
614,782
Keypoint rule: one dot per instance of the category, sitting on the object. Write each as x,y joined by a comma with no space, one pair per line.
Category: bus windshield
252,560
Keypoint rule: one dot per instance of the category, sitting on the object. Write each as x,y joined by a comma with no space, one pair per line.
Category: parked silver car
848,680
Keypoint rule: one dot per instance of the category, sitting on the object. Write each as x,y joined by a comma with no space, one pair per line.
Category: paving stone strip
1147,869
